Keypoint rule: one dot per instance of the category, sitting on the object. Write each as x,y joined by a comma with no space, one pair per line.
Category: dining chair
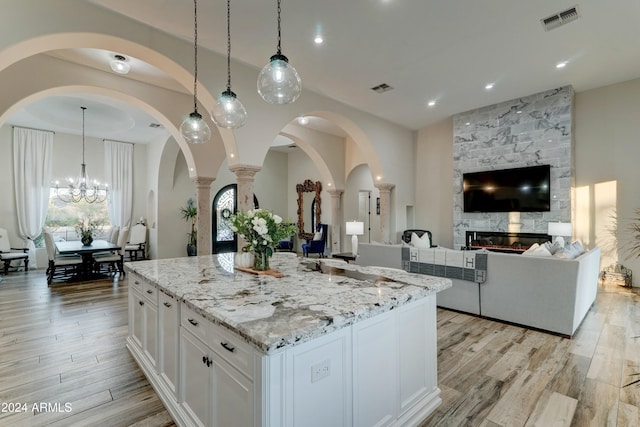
113,237
60,266
8,253
115,261
137,242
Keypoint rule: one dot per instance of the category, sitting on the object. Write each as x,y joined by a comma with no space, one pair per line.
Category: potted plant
190,214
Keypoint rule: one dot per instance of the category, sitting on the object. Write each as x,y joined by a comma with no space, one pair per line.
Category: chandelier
82,189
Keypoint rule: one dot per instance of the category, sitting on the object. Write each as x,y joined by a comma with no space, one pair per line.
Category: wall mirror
309,198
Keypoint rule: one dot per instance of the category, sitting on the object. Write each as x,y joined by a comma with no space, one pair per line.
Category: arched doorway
225,203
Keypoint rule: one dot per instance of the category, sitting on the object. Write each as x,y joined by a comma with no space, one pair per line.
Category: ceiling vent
560,18
381,88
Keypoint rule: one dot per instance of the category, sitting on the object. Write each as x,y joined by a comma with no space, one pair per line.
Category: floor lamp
354,229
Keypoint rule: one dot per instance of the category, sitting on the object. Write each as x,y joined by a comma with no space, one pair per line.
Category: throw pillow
577,245
420,242
541,250
553,247
318,235
531,249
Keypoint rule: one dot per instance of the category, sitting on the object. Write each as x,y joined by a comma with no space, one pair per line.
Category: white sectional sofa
546,293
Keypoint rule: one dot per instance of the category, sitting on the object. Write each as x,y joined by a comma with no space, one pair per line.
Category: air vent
381,88
155,125
560,18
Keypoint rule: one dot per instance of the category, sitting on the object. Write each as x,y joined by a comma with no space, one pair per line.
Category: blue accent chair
316,246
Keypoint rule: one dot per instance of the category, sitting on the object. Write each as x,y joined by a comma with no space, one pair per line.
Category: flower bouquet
262,230
85,229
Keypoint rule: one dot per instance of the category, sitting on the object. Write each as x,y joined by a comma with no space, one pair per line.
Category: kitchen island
329,343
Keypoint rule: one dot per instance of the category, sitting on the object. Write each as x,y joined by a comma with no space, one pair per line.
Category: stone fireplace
528,131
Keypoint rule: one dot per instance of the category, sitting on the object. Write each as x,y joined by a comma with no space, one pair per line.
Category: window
63,217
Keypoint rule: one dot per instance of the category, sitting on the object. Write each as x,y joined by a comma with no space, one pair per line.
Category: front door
224,205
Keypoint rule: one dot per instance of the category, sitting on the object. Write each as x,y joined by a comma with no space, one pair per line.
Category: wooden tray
274,273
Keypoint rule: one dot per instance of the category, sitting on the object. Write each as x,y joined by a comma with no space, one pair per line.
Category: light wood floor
65,344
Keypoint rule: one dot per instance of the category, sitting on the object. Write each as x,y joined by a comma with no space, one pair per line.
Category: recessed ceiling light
431,103
489,86
468,124
119,64
561,64
318,39
303,120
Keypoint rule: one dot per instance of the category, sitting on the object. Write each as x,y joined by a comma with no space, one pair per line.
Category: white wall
434,182
607,172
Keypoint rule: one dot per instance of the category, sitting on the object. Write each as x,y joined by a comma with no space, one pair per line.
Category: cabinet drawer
150,292
136,282
194,322
232,349
168,302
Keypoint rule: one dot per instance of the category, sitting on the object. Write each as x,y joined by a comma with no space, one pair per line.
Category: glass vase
261,262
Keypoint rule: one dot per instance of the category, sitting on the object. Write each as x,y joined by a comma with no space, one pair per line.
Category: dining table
75,247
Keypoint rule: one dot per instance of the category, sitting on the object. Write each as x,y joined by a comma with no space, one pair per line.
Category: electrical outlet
320,370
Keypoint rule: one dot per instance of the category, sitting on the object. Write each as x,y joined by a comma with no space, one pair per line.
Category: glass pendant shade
279,82
194,129
228,112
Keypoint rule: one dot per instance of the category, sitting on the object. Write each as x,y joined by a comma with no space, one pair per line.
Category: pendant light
82,189
228,112
279,82
194,129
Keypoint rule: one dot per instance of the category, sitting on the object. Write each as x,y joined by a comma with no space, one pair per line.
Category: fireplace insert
503,241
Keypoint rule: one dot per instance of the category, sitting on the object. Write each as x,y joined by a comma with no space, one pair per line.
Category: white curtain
119,176
32,163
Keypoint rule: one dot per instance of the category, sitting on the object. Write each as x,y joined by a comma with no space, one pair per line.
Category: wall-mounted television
508,190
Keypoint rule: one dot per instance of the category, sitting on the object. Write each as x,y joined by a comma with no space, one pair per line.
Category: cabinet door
375,378
233,394
136,322
417,343
168,343
151,332
195,378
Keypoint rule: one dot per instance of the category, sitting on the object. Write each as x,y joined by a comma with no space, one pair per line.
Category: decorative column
336,218
385,210
203,221
245,177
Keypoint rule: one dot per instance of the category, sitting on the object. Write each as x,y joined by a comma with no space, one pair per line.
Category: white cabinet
215,392
195,378
377,372
168,341
417,337
143,317
374,377
395,366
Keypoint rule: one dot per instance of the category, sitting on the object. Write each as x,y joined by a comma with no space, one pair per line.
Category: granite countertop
275,313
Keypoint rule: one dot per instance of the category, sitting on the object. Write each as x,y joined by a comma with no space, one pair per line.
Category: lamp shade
354,228
559,229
